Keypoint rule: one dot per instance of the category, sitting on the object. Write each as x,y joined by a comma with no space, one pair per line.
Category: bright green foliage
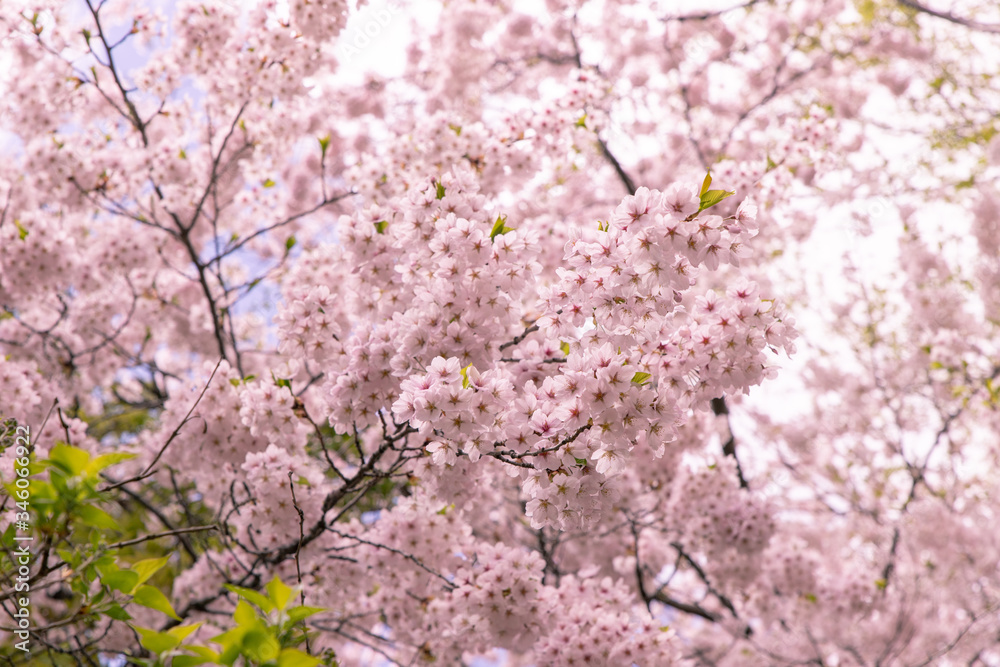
266,633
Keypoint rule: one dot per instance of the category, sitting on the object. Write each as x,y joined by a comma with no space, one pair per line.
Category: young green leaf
151,597
244,614
706,184
96,518
252,596
191,660
107,460
183,631
291,657
117,612
69,459
641,378
712,197
148,567
296,614
156,642
260,645
279,592
500,227
125,581
465,376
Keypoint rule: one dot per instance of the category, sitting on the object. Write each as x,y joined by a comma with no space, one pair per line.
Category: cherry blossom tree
605,333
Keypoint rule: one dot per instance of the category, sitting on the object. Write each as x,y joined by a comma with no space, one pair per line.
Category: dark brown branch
147,472
720,408
133,114
622,175
709,15
527,332
687,608
156,536
948,16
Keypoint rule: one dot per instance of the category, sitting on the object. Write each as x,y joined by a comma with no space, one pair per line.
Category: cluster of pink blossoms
496,595
280,485
716,518
628,346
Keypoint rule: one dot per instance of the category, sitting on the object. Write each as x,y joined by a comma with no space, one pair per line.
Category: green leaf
189,660
183,631
21,231
72,460
244,614
324,143
771,164
296,614
712,197
268,183
148,567
107,460
881,584
252,596
230,642
500,227
582,121
202,652
565,349
706,184
497,227
279,592
151,597
465,376
234,381
96,517
283,382
157,642
290,243
121,580
260,645
382,224
117,612
457,129
440,190
292,657
641,378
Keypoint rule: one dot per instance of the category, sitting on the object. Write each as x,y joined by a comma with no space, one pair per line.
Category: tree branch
948,16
